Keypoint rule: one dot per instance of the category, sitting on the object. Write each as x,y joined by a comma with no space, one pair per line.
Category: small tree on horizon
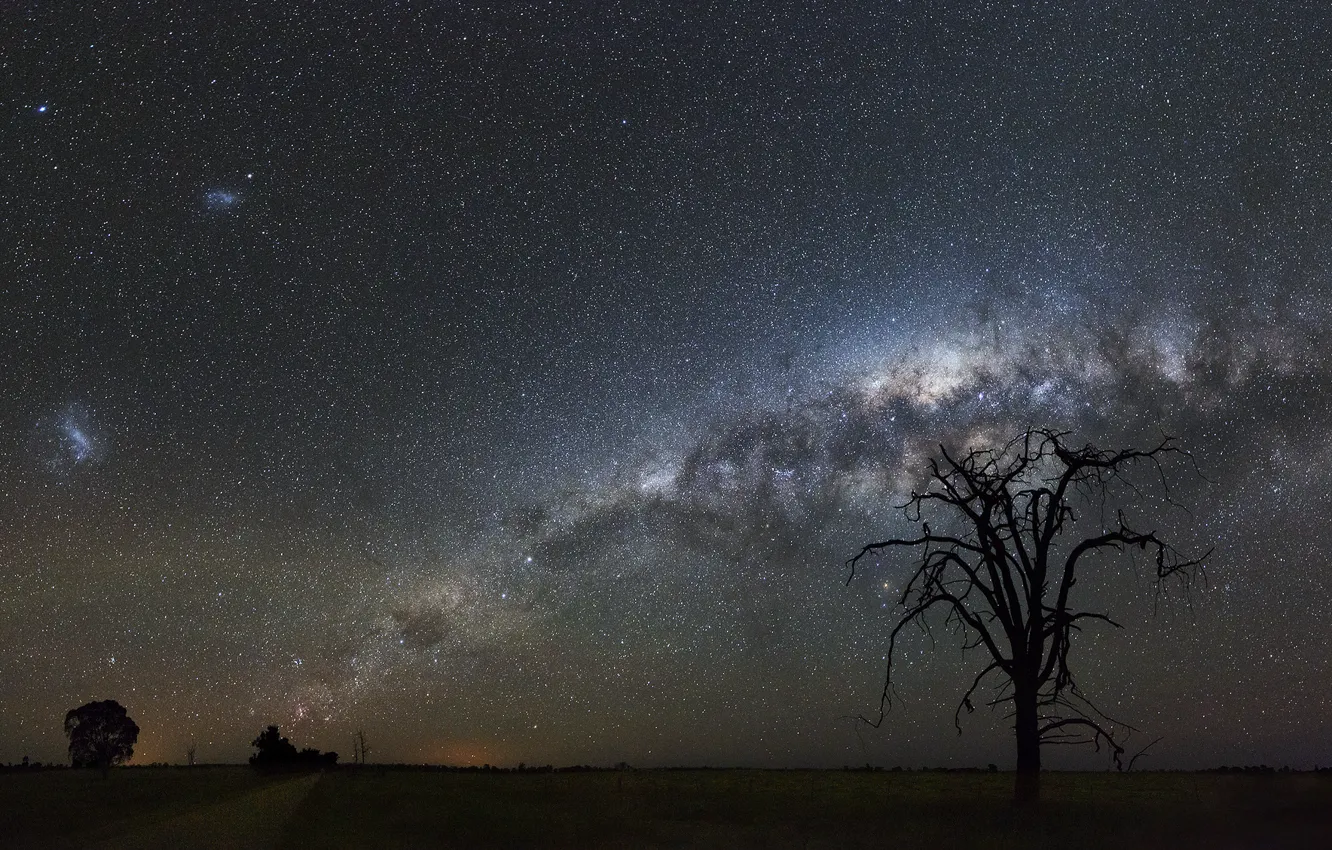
101,734
271,748
1005,575
274,752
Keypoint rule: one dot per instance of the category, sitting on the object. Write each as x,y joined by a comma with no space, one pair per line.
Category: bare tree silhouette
361,750
1004,576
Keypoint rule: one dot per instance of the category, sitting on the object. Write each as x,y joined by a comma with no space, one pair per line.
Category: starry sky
512,381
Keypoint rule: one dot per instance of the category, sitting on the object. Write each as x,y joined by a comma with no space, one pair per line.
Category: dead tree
361,749
1004,573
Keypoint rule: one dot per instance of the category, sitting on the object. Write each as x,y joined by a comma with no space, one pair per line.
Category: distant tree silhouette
101,734
277,753
189,753
1003,573
272,748
360,749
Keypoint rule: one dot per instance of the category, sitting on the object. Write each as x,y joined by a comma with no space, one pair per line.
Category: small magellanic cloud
220,200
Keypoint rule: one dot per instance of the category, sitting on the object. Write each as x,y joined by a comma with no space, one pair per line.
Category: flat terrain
232,807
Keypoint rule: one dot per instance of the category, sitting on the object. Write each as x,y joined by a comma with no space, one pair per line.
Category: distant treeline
491,768
1251,770
1264,769
869,768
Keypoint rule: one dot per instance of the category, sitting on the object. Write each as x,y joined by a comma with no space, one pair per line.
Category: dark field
232,807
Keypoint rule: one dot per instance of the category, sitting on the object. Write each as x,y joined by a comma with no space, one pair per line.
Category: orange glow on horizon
462,753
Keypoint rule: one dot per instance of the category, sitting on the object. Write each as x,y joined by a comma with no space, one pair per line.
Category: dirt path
249,822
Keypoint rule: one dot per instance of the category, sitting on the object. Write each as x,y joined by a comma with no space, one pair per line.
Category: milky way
528,401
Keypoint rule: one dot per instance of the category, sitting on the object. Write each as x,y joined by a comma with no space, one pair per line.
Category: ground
233,807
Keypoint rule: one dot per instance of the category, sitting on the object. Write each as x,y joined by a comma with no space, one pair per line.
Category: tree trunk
1027,787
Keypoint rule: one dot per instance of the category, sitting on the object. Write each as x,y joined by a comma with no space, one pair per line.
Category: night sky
513,381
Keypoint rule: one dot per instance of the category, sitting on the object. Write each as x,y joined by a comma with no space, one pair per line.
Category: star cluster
512,381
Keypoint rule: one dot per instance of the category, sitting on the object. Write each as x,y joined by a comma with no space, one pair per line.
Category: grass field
232,807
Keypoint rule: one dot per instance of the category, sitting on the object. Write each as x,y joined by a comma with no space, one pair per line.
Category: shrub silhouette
277,753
